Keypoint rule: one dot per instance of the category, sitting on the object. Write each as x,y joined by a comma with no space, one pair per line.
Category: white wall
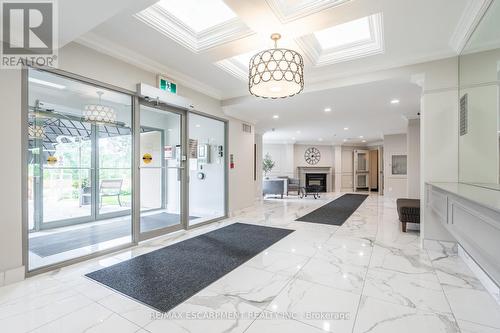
283,158
439,137
413,149
326,159
395,186
241,183
10,178
81,60
258,163
479,148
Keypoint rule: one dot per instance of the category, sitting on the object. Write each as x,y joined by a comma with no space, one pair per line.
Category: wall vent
464,110
247,128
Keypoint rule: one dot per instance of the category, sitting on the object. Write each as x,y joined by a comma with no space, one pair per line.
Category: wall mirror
479,103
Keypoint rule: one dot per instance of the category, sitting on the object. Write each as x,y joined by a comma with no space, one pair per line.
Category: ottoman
408,211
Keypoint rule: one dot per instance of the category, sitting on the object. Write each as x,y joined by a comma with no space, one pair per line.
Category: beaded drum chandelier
99,113
276,73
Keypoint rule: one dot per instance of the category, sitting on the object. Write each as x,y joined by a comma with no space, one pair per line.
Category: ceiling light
320,139
361,137
395,101
298,132
345,140
198,125
328,109
276,116
46,83
276,73
346,128
99,113
293,138
363,140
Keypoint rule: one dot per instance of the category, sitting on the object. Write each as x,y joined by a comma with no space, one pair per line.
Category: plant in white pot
267,164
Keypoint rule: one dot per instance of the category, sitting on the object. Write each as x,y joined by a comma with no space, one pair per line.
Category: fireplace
317,180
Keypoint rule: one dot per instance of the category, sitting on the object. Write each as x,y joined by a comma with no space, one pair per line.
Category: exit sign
167,85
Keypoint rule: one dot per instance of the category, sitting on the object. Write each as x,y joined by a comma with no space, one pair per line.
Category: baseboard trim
12,275
482,276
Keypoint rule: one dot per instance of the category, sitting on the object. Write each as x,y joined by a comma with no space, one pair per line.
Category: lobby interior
253,166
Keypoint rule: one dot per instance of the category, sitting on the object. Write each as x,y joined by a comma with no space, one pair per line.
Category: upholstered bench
408,211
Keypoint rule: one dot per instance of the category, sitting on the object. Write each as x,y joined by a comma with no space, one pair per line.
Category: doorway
162,162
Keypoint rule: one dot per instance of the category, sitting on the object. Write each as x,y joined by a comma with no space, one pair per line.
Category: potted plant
267,165
85,192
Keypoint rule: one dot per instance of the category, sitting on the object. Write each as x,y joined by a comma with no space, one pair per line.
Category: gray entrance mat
164,278
335,212
59,242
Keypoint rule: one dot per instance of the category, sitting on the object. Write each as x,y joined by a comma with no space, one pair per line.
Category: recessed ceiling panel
198,15
349,33
196,25
289,10
355,39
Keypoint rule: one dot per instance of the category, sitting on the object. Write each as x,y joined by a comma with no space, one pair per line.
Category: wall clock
312,155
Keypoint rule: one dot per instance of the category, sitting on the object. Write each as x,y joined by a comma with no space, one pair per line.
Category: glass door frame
24,170
226,171
183,188
137,100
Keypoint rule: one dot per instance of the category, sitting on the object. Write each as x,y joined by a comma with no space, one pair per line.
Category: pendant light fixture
99,113
276,73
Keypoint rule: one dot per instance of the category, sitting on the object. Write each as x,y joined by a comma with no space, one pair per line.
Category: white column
337,151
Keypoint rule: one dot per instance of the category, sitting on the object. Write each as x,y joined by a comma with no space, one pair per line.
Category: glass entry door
161,165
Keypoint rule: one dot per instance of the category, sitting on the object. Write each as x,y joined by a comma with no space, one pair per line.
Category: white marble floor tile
326,308
278,262
452,270
338,252
473,305
406,290
377,316
92,318
410,262
253,286
27,314
207,312
468,327
129,309
331,274
272,325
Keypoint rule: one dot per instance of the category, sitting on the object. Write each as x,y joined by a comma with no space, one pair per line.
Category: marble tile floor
365,276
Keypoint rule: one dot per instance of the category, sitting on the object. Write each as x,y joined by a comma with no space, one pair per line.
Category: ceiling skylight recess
196,25
355,39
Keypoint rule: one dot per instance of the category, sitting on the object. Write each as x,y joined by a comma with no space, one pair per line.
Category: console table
471,214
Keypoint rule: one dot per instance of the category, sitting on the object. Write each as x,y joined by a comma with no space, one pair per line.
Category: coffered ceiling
203,40
206,45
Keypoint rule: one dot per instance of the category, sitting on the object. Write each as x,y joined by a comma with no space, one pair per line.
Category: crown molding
234,68
167,24
471,16
287,13
323,57
108,47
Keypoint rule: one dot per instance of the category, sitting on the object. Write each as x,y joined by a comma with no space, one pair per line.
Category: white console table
471,214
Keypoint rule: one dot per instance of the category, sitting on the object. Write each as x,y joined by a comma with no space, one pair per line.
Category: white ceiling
410,32
371,116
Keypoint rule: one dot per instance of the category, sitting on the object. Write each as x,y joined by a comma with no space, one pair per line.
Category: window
399,165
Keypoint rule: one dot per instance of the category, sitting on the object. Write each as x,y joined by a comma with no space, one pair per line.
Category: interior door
361,170
161,163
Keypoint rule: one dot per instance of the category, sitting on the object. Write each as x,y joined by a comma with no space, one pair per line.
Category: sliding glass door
79,173
84,197
161,170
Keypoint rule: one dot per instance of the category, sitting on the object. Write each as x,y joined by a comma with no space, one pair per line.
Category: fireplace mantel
303,170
